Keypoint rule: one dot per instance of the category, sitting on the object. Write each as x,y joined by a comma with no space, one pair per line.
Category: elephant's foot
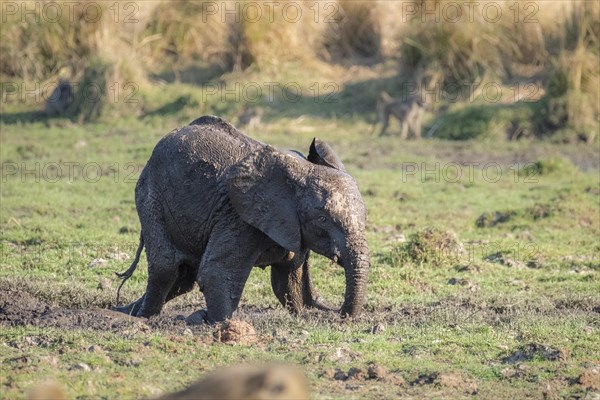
197,318
131,309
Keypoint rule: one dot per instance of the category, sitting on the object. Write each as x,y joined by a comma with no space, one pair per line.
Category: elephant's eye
322,219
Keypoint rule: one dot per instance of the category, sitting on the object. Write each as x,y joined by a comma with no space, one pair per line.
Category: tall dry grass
560,43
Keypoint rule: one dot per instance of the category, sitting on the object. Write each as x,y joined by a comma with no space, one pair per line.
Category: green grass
531,279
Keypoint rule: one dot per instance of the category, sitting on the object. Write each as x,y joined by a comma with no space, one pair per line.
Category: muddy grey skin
213,203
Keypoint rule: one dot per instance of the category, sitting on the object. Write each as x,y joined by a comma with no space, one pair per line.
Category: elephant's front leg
293,286
223,272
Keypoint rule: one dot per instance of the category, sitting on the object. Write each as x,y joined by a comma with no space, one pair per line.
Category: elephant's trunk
356,262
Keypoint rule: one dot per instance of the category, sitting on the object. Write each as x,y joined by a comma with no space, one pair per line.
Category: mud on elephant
214,203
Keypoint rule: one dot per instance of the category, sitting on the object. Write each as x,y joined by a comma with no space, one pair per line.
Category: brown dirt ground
24,303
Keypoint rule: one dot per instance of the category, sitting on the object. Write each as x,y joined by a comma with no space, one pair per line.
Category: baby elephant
213,203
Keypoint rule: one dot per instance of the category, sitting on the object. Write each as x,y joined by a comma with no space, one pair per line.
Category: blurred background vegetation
543,57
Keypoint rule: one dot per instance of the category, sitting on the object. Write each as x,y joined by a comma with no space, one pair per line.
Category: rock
188,332
97,262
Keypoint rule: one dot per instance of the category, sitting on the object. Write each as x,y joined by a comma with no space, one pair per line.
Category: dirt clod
329,373
356,374
504,259
491,219
458,382
377,372
590,379
425,379
340,375
532,350
235,331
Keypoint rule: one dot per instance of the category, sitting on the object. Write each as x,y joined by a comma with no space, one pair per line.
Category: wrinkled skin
213,203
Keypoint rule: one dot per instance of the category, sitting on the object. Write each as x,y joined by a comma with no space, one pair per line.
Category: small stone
188,332
82,367
97,262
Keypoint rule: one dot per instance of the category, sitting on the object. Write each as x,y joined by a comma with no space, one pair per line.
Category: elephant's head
311,204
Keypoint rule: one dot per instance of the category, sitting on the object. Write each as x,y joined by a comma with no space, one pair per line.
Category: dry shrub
188,30
40,46
454,52
572,106
353,32
290,37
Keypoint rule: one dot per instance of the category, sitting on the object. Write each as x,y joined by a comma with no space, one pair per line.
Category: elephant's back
208,142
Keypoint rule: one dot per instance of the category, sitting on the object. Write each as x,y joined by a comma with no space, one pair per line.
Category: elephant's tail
127,274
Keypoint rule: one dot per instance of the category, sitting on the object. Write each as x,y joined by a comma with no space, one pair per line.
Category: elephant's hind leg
186,279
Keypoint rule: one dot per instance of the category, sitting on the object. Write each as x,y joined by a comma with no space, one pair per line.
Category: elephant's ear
263,195
321,153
